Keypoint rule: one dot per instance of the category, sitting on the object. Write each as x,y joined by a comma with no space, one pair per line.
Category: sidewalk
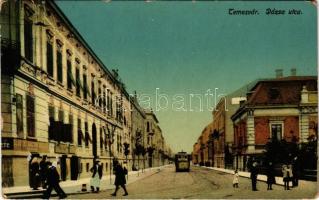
260,177
75,187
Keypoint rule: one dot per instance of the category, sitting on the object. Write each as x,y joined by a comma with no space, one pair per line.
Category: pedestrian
53,180
120,180
270,176
35,173
253,175
236,179
286,174
295,171
96,176
43,171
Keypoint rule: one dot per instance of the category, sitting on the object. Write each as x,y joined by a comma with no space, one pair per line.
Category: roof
277,92
150,112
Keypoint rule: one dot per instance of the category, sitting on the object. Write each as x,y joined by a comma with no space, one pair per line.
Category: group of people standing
290,172
45,174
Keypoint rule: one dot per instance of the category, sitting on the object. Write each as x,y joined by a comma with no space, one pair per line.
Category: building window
106,166
100,96
276,131
19,115
80,135
85,87
70,138
148,127
87,167
52,123
49,55
69,69
28,40
110,103
92,92
101,138
104,100
87,136
78,82
61,116
30,116
59,61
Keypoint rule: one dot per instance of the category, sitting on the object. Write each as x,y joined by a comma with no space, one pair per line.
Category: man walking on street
44,171
119,178
253,175
53,183
295,171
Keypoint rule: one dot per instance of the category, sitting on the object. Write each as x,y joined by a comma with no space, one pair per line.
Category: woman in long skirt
96,176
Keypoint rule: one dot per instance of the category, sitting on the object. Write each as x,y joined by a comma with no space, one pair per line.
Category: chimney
279,73
293,72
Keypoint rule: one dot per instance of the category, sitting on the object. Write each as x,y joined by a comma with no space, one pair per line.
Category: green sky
187,48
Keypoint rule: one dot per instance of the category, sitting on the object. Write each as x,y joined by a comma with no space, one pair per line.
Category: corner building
58,98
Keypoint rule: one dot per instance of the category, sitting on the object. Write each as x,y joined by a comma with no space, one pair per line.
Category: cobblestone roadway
201,183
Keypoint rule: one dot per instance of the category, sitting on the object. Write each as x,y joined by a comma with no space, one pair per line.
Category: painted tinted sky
185,47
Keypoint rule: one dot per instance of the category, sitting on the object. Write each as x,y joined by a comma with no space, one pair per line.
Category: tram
182,161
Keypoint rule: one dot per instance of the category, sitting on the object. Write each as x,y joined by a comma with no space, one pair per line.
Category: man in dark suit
253,175
119,178
53,179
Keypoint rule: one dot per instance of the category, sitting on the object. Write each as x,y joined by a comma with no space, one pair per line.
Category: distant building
155,143
214,146
280,108
138,144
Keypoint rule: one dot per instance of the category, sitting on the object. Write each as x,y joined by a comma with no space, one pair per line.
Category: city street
200,183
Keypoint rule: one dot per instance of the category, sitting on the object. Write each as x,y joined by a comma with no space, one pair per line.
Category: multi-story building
222,136
153,139
57,97
283,108
138,144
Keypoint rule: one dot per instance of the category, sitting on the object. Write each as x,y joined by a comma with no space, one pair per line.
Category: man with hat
96,176
120,180
53,179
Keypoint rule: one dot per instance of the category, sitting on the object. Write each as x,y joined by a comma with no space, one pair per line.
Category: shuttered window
69,69
51,121
30,116
49,59
28,39
59,65
80,134
78,82
19,115
85,90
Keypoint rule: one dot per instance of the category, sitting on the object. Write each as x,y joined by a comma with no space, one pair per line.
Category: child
235,180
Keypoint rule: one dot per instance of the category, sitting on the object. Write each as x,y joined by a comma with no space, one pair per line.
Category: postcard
159,99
